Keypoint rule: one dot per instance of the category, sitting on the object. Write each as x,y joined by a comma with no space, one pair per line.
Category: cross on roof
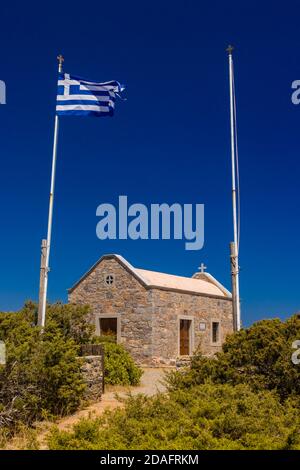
202,268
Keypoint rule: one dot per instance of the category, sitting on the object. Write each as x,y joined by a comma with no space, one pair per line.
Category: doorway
185,337
109,327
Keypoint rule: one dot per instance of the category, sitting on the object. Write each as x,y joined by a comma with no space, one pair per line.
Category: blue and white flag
79,97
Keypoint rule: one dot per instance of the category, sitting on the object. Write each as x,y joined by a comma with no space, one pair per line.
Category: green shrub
120,368
42,373
259,356
72,320
201,417
103,339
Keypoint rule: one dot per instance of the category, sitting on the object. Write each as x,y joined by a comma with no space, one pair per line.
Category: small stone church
158,317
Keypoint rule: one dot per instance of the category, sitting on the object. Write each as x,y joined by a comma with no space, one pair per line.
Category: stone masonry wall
92,373
169,306
127,299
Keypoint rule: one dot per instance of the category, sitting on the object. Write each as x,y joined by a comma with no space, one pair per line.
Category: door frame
98,316
191,333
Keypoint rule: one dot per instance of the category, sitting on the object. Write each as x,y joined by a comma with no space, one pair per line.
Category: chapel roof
170,281
207,285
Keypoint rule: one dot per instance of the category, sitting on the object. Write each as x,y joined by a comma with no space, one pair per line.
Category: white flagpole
235,254
45,266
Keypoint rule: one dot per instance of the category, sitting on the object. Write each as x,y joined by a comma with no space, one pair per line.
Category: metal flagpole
46,244
235,244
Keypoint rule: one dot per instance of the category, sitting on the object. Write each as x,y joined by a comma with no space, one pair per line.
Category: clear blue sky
168,143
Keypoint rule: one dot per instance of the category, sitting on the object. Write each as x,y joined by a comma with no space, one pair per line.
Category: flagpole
46,244
235,244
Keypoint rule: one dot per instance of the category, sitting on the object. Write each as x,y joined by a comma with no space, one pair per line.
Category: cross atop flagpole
47,243
60,62
235,244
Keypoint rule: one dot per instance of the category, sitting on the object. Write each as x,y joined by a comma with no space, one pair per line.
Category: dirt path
151,383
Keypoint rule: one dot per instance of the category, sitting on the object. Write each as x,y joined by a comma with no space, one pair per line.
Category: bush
42,374
204,417
259,356
72,320
120,368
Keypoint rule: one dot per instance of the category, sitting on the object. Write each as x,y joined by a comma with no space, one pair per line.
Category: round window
110,279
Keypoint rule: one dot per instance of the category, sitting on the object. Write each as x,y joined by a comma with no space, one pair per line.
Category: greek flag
79,97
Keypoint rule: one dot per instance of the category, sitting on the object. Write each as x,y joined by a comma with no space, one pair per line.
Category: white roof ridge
218,284
131,268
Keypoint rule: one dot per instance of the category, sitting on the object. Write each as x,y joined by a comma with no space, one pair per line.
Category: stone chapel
158,317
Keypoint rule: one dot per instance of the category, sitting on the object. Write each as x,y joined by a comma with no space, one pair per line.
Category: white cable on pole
237,165
233,138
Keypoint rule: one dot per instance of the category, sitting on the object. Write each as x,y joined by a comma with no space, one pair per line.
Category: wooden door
185,337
